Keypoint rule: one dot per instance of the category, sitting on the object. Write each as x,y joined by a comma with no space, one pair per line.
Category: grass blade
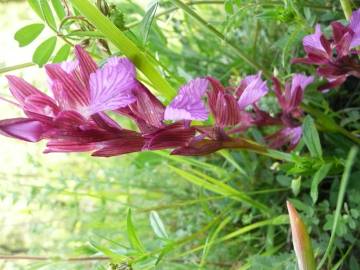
218,187
133,237
340,200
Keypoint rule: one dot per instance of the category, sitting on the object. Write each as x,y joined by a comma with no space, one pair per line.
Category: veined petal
355,27
21,89
22,128
86,63
147,108
343,37
43,105
105,122
223,106
69,119
187,105
313,41
252,88
128,144
76,94
112,86
174,135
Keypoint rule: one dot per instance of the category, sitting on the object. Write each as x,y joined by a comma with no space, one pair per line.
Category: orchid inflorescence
74,119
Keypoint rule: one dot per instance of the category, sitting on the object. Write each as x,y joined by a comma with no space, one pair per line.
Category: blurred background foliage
61,207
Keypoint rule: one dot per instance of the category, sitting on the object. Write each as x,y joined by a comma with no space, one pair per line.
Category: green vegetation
152,210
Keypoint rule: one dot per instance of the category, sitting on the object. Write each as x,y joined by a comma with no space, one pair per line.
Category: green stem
340,200
213,30
126,46
279,220
329,124
16,67
346,7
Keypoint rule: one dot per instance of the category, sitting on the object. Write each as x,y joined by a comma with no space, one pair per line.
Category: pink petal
112,86
21,89
22,128
255,88
175,135
69,119
74,91
187,105
300,80
223,106
86,63
147,107
69,66
313,41
355,27
105,122
41,105
128,144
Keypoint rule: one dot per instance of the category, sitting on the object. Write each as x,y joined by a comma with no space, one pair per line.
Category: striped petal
21,89
187,105
251,89
112,86
86,63
355,27
76,94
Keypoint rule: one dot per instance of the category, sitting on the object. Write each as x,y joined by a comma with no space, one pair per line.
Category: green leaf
35,5
350,160
229,9
318,177
47,14
43,53
62,54
28,33
296,186
133,237
59,8
205,181
147,21
301,241
311,137
157,225
115,257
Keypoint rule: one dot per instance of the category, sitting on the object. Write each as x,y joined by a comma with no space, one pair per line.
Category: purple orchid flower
335,58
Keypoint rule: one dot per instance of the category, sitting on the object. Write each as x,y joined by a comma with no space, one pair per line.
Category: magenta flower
251,89
74,118
336,58
81,94
286,136
188,104
289,100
